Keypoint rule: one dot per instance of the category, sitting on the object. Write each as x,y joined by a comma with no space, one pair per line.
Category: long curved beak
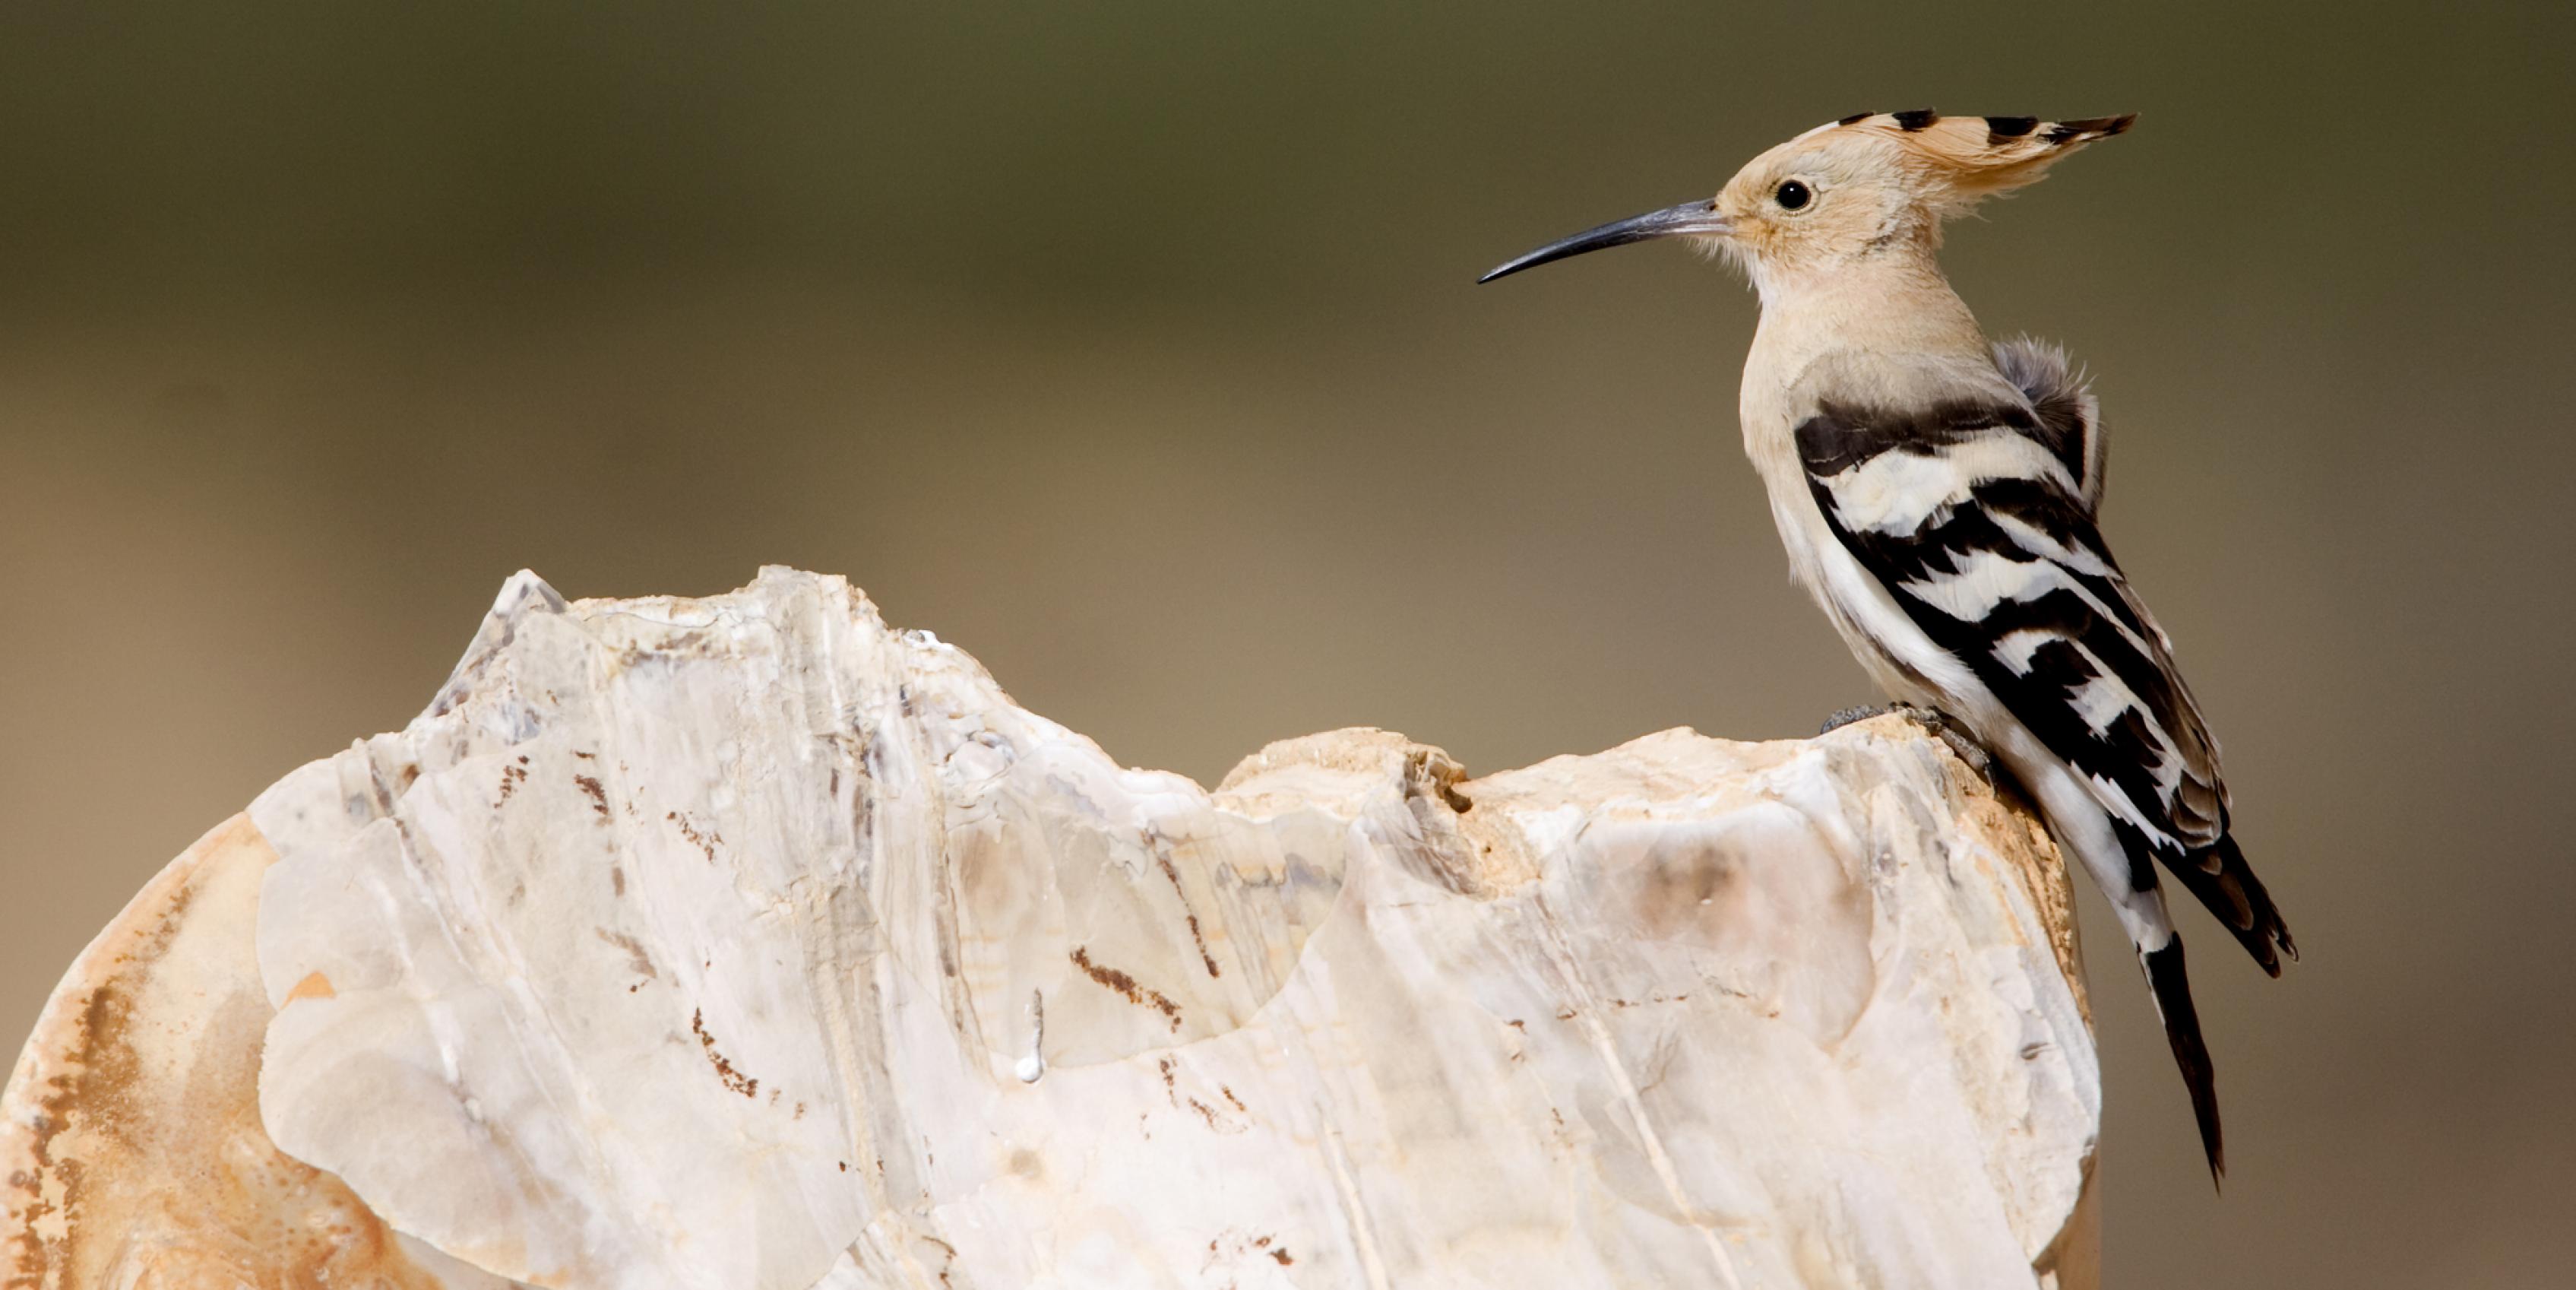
1673,221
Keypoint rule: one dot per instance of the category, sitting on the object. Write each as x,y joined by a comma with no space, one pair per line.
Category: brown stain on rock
704,840
733,1079
135,1158
598,795
1204,957
636,957
1173,875
1126,985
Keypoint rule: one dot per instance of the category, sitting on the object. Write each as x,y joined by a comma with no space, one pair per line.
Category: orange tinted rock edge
130,1140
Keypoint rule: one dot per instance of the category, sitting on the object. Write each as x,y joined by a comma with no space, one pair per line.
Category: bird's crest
1958,161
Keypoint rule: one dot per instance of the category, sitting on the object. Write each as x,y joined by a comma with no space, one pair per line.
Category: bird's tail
2172,989
2219,876
2160,953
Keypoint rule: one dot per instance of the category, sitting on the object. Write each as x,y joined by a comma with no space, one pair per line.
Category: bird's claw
1939,723
1934,722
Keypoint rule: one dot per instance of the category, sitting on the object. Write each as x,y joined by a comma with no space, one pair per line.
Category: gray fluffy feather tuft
2063,397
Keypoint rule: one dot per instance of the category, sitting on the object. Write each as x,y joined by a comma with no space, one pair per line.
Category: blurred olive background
1135,348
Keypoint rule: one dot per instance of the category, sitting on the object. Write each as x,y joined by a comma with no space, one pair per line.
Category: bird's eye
1792,195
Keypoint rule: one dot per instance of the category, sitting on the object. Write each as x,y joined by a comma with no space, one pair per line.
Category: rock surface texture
742,943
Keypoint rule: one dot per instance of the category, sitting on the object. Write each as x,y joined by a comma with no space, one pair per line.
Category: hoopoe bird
1939,496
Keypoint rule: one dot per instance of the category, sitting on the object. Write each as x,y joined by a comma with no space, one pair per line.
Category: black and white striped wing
1976,518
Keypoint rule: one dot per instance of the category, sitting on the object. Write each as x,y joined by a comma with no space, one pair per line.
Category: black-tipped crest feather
1963,159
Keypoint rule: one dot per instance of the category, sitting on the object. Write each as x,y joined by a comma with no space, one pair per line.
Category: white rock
741,942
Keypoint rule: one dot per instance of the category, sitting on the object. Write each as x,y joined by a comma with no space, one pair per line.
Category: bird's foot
1934,722
1845,716
1940,724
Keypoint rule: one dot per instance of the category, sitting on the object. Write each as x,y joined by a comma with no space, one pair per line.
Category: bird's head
1865,185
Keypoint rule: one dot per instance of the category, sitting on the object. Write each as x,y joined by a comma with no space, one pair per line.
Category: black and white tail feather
1978,515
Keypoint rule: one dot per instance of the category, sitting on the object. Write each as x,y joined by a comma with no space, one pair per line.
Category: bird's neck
1881,330
1893,305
